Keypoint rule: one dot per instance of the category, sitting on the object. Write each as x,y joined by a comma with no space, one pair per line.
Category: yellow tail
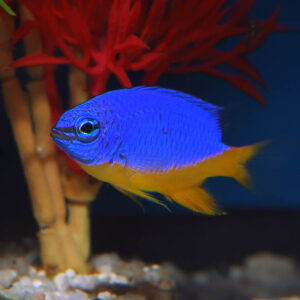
230,164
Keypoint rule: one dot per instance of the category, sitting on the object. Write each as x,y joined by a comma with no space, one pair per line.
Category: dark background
267,219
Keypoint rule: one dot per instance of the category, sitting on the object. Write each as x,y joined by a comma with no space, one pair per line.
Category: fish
153,140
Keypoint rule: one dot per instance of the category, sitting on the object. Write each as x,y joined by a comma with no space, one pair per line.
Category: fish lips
58,134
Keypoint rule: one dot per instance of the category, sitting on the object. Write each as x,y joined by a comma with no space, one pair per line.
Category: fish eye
86,127
87,130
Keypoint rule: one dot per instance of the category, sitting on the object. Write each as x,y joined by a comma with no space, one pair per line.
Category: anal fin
196,199
130,195
133,192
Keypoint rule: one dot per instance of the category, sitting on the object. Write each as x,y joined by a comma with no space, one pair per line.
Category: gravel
261,276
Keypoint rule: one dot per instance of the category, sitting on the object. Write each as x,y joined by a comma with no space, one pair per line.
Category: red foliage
105,37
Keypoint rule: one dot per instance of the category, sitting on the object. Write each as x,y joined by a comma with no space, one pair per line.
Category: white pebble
7,277
61,281
84,282
25,281
37,283
70,273
106,296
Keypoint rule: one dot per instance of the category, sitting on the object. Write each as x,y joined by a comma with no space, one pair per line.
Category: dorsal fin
211,108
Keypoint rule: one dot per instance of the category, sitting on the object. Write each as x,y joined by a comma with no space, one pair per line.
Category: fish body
150,139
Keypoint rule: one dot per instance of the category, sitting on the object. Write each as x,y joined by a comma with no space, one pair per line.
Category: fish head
82,130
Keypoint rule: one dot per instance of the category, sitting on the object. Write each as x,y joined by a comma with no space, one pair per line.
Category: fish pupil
86,128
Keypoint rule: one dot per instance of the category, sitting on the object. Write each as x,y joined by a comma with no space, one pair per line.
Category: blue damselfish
151,139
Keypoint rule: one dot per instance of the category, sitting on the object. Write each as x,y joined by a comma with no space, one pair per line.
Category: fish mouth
60,134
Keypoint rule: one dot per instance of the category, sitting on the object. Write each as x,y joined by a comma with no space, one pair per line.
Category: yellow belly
180,185
162,182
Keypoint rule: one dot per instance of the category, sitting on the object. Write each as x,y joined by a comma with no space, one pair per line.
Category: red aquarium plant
100,39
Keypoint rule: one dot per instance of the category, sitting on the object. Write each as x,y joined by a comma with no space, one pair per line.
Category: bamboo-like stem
64,243
79,221
41,117
77,83
70,252
79,189
19,115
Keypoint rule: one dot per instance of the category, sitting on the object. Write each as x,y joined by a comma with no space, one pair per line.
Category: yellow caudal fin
232,163
196,199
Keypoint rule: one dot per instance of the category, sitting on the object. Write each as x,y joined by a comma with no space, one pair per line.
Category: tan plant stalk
58,247
70,250
79,189
64,241
77,83
19,115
